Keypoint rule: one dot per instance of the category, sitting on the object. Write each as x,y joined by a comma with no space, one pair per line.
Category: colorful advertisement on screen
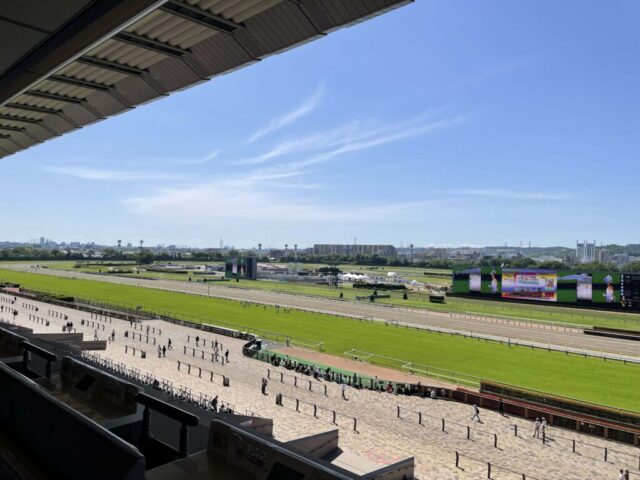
530,285
584,287
606,287
475,280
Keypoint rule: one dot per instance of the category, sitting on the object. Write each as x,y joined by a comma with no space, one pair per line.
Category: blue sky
441,123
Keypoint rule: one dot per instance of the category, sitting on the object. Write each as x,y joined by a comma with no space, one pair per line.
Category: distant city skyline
135,243
441,123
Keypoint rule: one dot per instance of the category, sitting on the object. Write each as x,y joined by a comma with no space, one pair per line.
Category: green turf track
610,383
544,313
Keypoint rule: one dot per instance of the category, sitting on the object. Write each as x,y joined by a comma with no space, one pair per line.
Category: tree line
147,256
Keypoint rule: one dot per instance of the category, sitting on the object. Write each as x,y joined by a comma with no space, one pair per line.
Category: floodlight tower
295,249
411,253
141,242
259,250
120,247
286,249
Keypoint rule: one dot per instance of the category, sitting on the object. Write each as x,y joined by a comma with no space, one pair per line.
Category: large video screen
241,267
598,289
530,285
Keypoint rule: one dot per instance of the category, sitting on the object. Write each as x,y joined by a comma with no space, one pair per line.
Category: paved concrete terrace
534,332
381,437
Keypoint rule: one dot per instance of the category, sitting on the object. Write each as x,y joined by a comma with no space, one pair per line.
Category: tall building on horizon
355,249
585,252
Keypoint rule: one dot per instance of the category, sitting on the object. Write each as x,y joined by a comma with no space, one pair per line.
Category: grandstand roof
64,65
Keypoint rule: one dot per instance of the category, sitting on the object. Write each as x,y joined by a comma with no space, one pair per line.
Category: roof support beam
11,118
31,108
202,17
149,44
53,96
62,98
49,111
108,65
8,128
91,26
79,83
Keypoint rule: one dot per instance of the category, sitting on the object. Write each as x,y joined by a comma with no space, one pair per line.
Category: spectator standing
536,428
476,414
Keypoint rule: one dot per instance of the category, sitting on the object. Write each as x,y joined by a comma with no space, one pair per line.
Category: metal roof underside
66,67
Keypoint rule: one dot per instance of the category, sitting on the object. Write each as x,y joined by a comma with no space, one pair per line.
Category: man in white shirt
536,428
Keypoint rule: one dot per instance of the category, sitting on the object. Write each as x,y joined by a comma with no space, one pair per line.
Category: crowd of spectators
356,381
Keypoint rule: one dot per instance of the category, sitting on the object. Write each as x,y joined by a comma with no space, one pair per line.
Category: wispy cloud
175,160
308,106
352,137
512,194
215,201
312,142
382,138
113,175
372,139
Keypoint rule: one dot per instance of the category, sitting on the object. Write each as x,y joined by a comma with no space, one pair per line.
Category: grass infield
540,313
605,382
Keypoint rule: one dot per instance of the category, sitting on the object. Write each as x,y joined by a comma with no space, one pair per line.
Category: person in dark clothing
214,404
264,386
476,414
226,355
501,408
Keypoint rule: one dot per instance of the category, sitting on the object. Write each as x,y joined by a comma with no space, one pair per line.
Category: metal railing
175,391
464,431
491,468
184,366
132,334
316,411
425,370
578,447
298,382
